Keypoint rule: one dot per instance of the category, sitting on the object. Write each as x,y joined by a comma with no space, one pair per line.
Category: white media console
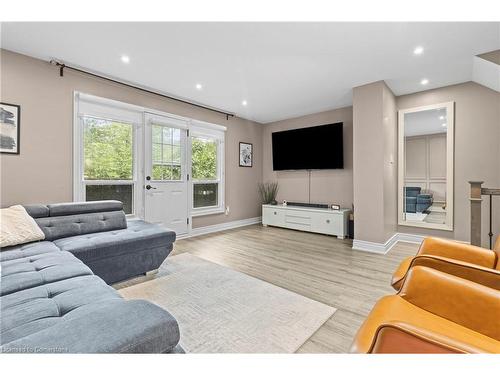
309,219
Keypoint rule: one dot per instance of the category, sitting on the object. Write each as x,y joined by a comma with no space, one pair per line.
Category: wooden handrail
489,191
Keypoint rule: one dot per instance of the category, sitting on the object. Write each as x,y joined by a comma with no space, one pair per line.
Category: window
111,155
108,161
207,171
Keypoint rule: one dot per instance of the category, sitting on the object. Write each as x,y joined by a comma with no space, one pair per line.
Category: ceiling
282,70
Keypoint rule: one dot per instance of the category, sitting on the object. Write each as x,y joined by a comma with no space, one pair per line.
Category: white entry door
165,172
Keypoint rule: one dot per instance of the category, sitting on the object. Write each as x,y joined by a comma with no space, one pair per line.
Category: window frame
217,133
109,110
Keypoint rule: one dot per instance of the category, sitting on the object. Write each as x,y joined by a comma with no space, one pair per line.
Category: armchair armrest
482,275
459,251
461,301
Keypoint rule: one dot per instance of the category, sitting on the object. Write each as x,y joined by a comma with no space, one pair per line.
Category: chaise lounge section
99,234
54,296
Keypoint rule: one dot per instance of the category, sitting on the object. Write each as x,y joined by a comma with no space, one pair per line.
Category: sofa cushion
138,236
108,326
37,210
75,208
29,272
27,250
83,314
74,225
30,310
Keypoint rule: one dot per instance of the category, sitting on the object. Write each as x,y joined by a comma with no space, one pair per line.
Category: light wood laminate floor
319,267
316,266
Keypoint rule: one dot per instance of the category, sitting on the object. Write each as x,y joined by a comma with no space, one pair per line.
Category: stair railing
476,194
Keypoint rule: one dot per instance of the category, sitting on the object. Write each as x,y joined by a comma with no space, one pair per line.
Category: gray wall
43,170
375,172
477,150
328,186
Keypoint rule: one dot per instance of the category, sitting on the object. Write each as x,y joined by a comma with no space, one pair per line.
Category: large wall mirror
425,166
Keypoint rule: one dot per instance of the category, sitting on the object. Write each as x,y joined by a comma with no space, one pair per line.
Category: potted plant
268,192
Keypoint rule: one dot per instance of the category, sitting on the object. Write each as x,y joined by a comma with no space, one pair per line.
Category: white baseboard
411,238
220,227
384,248
374,247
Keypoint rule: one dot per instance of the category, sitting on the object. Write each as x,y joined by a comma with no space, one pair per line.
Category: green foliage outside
107,150
204,156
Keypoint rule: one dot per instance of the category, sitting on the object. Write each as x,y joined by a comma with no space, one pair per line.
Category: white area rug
224,311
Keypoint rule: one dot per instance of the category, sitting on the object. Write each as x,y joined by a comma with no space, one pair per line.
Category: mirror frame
450,155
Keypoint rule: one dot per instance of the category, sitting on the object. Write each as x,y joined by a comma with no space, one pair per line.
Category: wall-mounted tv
317,147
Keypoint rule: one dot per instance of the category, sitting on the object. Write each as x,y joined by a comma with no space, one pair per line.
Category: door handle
149,187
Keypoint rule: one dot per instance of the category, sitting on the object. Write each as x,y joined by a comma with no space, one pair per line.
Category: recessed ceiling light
199,86
425,81
441,117
443,125
244,103
125,59
418,50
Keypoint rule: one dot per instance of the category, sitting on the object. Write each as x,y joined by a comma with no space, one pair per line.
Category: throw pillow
18,227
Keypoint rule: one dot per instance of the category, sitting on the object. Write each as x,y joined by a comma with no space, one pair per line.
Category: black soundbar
315,205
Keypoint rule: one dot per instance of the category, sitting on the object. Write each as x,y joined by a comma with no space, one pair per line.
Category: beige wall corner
374,150
43,170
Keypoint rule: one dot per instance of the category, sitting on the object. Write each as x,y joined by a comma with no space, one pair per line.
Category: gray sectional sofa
54,293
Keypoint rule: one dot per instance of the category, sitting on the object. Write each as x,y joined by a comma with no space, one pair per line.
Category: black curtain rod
64,66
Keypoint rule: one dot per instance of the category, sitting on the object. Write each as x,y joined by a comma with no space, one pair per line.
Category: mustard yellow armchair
434,312
466,261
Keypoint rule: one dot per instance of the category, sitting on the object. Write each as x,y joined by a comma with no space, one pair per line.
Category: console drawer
293,218
272,216
328,224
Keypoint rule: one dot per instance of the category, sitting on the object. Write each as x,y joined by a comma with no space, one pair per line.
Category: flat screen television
317,147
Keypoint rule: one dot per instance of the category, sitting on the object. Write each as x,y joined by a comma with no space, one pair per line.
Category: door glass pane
176,155
157,152
108,150
123,193
204,158
166,157
176,172
161,172
205,195
167,153
157,131
176,136
167,135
